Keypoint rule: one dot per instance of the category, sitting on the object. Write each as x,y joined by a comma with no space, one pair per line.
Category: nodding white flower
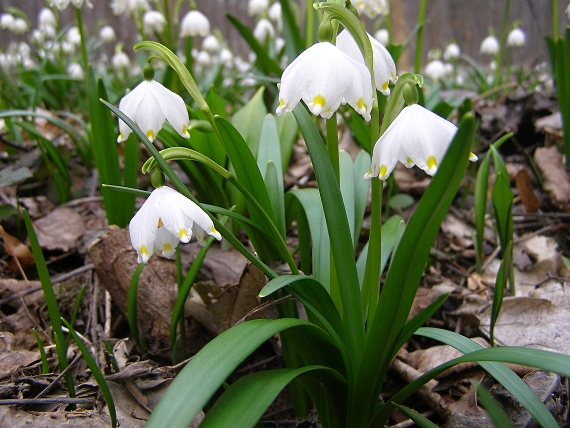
372,8
194,23
19,26
149,105
107,34
275,13
6,21
128,6
489,46
166,218
204,59
279,44
120,60
75,70
257,7
263,30
153,21
516,37
73,36
383,36
568,11
226,57
416,137
452,52
383,64
60,4
435,70
46,18
324,77
79,3
211,43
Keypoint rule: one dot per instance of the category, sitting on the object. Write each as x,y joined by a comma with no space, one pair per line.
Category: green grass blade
247,120
418,419
244,402
90,361
407,266
43,356
480,202
51,302
294,44
493,409
202,376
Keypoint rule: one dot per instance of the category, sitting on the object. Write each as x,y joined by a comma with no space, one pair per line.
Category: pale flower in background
274,12
60,4
153,21
75,70
20,26
451,52
489,46
166,218
516,38
79,3
203,59
323,76
226,57
120,60
211,44
6,21
416,137
73,36
383,36
257,7
263,30
568,10
194,23
148,105
130,7
435,70
107,34
372,8
383,64
46,18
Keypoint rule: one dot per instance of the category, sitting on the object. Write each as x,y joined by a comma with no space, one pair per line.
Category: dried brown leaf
556,182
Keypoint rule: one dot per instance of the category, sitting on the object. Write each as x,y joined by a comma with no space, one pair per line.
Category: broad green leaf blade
288,129
361,190
407,266
202,376
499,371
243,403
293,40
248,120
480,201
337,226
347,189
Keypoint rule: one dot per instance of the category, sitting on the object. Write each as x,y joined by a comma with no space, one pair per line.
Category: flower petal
173,107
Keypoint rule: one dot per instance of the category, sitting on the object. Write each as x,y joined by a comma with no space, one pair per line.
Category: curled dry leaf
60,230
555,177
15,248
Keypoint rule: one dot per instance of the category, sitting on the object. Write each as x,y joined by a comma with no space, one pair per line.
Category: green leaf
500,286
480,202
288,129
407,266
293,39
247,120
419,419
193,387
494,410
243,403
515,385
337,225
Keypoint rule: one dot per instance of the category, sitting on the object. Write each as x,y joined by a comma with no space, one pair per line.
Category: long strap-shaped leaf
406,269
337,226
491,359
243,403
202,376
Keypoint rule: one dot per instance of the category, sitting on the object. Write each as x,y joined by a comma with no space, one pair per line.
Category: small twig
533,234
409,423
551,277
491,257
107,328
264,306
55,400
59,376
85,200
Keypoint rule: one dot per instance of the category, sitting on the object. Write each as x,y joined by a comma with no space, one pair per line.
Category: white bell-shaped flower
516,37
451,52
130,7
323,77
416,137
383,36
372,8
75,70
263,30
257,7
6,21
20,26
166,218
46,18
211,44
153,21
194,23
384,66
149,105
489,46
107,34
435,70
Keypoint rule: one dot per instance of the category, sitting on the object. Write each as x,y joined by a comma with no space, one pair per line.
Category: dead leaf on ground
526,192
60,230
15,248
460,232
12,359
538,321
556,182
